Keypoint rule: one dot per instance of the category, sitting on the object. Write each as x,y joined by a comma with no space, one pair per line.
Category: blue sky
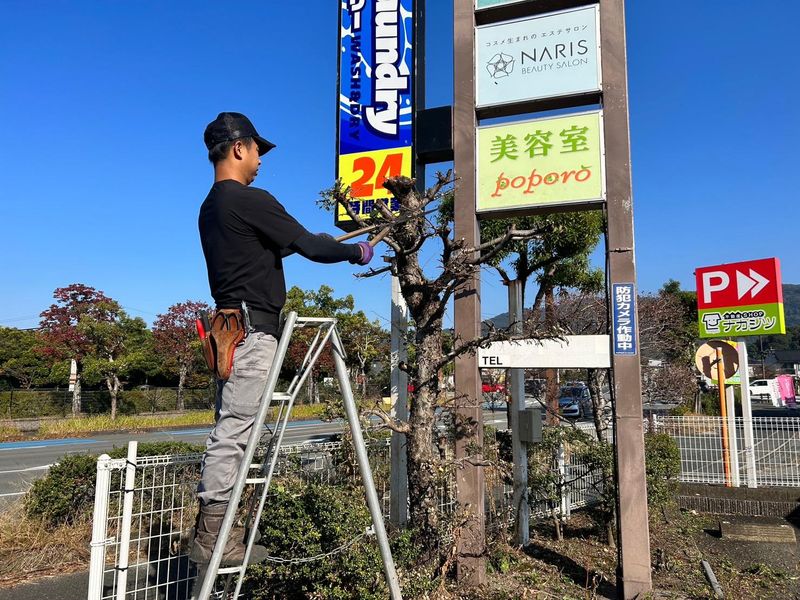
105,103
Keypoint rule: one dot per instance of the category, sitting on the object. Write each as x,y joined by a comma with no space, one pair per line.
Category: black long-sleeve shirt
245,232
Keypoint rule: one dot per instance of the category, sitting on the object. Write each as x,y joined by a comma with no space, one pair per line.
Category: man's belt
264,321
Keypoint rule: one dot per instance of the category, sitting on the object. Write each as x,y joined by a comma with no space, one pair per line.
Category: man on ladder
245,233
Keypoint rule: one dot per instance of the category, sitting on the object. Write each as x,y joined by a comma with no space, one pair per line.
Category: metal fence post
733,441
519,449
125,526
747,415
562,482
98,544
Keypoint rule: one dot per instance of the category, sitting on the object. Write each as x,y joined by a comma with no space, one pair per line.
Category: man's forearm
323,249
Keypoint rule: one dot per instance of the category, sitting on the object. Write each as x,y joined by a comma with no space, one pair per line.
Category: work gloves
367,253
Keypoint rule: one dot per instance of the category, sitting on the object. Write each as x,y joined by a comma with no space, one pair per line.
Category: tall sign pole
633,570
470,483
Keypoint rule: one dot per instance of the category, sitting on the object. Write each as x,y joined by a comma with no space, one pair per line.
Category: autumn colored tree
86,325
62,336
176,341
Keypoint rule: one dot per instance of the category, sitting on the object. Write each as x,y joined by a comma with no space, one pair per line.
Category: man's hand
367,252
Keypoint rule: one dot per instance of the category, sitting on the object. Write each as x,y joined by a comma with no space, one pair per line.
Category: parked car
493,388
575,401
761,389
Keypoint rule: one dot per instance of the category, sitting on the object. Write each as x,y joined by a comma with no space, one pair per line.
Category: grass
29,548
91,424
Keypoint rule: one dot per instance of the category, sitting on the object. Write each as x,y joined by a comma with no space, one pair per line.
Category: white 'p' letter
708,287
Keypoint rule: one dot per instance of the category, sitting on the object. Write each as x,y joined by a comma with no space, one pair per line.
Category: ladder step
281,396
227,570
256,480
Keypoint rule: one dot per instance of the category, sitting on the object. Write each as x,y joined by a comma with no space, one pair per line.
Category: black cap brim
264,146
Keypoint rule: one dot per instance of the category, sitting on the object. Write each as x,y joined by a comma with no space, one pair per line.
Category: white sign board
557,54
571,352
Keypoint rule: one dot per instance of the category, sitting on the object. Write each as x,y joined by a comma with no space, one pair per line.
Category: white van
766,390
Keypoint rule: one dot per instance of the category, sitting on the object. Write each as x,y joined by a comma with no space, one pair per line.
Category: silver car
575,402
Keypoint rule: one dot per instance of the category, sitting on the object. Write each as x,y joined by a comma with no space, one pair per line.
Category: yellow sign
541,163
365,172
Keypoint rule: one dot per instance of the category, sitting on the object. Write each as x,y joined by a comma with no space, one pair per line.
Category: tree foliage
176,342
89,327
21,364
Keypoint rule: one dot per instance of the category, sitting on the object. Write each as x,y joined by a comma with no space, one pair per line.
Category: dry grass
30,549
58,428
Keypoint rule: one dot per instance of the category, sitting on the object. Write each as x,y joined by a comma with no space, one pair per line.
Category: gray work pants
236,405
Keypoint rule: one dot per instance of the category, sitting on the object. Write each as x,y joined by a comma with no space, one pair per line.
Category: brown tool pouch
228,330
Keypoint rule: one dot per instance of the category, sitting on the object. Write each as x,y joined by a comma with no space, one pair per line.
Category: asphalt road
21,463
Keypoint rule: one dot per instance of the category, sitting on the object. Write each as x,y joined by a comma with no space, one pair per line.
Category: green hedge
302,520
66,494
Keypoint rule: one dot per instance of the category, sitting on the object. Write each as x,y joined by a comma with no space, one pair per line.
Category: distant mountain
791,303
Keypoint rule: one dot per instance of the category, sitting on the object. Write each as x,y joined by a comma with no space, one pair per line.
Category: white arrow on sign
753,284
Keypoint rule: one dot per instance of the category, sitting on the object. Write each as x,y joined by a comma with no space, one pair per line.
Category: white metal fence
145,508
776,449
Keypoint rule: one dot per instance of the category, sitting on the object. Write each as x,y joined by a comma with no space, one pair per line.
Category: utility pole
470,483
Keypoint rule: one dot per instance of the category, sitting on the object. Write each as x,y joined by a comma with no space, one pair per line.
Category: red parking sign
739,284
738,299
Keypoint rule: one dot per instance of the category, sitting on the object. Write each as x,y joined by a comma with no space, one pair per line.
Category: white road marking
39,468
12,494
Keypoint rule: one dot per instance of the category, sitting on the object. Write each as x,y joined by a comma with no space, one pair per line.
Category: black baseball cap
229,126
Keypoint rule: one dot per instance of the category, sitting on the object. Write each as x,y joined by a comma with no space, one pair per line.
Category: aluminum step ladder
225,583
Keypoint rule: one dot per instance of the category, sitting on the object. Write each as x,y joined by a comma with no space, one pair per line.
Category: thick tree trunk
423,461
598,402
182,374
113,384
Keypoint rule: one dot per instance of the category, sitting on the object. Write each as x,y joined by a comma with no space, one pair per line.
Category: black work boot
209,521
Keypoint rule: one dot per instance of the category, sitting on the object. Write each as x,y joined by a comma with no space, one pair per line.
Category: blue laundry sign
624,311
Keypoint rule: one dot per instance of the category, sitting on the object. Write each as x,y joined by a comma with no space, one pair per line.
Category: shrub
663,466
303,520
66,494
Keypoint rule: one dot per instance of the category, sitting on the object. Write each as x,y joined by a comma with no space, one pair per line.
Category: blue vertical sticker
624,311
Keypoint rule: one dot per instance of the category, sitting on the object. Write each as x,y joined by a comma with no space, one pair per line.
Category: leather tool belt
221,334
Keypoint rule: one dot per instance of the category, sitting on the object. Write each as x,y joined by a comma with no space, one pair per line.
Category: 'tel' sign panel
739,299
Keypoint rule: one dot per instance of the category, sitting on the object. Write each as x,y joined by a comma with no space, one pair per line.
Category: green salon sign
542,163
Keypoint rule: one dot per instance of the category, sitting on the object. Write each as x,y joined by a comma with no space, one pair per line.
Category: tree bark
598,403
113,385
182,374
423,464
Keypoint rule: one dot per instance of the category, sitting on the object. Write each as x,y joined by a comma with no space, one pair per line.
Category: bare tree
427,296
